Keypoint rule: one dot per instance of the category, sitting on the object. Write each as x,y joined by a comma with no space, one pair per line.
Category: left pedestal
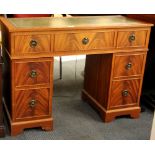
28,89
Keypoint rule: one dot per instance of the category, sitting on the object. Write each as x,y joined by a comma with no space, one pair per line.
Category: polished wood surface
74,41
124,38
116,50
128,65
119,98
24,70
23,43
32,103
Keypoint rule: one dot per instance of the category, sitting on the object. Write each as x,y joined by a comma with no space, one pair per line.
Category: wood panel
24,71
124,38
128,65
23,99
74,41
104,78
119,99
91,74
23,43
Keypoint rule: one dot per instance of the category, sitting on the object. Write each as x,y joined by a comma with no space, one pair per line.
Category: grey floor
76,120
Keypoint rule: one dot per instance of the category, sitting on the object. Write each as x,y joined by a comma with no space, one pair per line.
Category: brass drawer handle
32,103
128,66
33,43
125,93
132,37
85,41
33,74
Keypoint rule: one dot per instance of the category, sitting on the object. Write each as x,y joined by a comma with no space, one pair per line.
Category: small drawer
31,73
128,65
84,41
32,43
32,103
124,93
135,38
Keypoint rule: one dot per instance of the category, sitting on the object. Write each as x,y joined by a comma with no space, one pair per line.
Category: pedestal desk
116,49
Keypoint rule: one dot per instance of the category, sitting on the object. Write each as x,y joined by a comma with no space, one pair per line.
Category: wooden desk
116,49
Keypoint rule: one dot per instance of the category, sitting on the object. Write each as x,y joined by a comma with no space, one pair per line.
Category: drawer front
31,103
84,41
32,43
124,93
136,38
30,73
128,65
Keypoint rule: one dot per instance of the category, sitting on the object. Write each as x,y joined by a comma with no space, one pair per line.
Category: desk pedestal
113,85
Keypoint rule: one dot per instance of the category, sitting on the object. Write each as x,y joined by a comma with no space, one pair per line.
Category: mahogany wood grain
108,49
128,65
124,38
91,74
117,98
106,90
18,127
23,99
103,82
73,41
110,115
22,43
92,49
24,69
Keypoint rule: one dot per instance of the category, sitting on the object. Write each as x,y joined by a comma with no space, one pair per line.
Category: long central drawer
84,41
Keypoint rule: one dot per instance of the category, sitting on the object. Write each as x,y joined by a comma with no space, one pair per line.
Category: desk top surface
86,22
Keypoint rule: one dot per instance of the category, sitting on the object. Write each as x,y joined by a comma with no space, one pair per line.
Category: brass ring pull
128,66
132,37
33,74
33,43
85,41
32,103
125,93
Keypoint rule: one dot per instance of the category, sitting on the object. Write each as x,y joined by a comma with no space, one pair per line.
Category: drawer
31,73
32,43
135,38
31,103
84,41
128,65
124,93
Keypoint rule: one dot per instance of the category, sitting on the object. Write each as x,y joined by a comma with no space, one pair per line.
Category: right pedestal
113,83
